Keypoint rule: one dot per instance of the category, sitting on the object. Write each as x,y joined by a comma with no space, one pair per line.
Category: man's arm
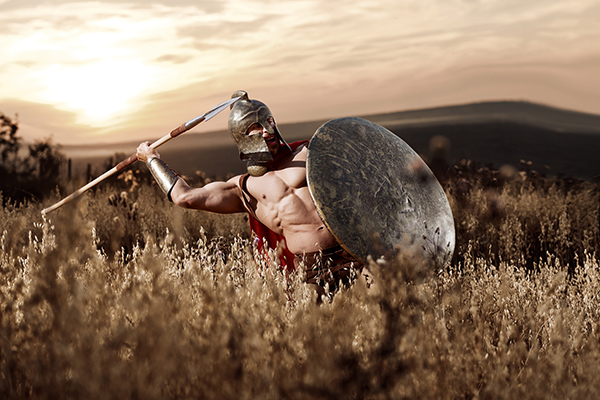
219,197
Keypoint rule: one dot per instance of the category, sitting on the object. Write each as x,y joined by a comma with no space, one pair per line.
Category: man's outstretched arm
219,197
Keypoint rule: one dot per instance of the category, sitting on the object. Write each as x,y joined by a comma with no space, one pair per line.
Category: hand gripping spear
133,158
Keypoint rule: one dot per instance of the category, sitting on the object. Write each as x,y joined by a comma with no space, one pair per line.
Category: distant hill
556,141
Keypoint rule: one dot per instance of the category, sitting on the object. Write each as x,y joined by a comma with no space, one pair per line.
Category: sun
97,90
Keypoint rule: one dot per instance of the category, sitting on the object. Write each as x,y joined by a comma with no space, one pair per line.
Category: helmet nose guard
253,148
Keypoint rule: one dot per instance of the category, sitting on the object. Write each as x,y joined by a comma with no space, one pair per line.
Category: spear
133,158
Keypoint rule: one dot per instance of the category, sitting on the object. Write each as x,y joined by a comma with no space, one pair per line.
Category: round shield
376,195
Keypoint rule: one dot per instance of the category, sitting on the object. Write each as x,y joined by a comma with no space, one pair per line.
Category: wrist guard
164,176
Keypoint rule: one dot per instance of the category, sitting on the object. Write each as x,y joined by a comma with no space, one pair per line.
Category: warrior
274,193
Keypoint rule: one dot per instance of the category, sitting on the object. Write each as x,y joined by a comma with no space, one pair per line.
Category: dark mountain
555,141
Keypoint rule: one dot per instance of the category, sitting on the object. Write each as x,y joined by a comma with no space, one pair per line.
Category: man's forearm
164,176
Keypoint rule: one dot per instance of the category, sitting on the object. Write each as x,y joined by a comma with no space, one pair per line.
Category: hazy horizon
108,71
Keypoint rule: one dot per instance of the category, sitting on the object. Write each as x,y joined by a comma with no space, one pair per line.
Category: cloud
38,120
314,58
174,58
205,5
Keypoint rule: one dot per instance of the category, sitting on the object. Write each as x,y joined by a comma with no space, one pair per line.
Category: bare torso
282,202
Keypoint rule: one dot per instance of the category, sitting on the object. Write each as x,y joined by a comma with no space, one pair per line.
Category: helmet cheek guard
253,148
255,168
256,154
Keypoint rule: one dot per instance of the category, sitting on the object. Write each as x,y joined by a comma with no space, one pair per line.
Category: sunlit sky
114,71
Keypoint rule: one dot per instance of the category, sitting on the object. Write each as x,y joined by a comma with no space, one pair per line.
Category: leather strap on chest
246,196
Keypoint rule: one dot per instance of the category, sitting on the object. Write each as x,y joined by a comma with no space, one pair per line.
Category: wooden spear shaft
133,158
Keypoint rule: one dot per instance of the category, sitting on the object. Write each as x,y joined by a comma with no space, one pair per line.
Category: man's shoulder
297,143
301,150
237,180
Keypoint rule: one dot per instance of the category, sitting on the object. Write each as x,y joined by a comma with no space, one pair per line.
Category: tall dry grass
125,296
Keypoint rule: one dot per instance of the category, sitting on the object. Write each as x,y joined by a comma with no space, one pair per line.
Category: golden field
123,295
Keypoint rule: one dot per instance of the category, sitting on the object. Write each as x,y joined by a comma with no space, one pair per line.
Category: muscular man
274,193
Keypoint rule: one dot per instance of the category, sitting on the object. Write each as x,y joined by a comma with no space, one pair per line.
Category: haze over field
113,71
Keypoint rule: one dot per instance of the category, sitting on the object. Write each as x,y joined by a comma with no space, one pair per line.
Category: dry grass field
122,295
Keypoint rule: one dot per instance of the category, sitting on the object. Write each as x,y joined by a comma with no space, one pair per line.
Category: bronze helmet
253,148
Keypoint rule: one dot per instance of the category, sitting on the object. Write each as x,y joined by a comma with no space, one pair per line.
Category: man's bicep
219,197
223,197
